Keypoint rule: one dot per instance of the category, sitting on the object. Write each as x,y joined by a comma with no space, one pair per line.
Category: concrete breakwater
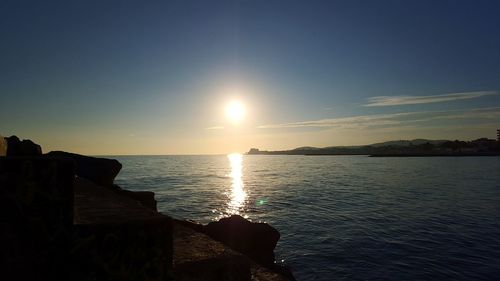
64,219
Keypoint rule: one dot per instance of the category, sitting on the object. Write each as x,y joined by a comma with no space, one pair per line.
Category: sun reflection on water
237,196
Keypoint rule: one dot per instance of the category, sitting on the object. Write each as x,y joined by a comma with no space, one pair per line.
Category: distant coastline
400,148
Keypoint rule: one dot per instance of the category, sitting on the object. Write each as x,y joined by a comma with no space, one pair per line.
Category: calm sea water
344,217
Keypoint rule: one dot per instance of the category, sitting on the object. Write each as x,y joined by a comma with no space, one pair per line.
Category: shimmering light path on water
237,195
345,217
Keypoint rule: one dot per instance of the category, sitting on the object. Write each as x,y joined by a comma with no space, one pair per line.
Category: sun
235,112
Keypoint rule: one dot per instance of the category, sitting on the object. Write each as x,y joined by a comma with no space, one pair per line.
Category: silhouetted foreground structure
418,147
36,203
64,219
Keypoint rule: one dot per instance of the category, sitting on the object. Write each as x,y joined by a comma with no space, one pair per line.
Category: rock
101,171
15,147
198,257
191,224
145,198
223,268
284,271
3,146
256,240
36,207
115,238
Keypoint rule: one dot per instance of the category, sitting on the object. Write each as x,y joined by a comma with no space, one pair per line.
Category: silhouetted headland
65,219
401,148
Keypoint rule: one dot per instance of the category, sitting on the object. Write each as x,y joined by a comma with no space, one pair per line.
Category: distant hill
408,142
416,147
305,148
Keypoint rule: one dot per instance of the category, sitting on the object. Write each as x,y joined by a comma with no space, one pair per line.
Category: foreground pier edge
64,219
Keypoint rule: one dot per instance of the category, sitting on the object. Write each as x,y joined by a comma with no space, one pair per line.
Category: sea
344,217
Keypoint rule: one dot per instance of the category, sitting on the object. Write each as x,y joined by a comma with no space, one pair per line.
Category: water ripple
346,218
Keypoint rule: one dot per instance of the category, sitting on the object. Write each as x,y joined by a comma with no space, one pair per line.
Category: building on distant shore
498,135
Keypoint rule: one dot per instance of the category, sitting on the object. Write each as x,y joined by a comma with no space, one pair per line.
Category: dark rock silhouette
199,257
115,238
101,171
64,219
3,146
146,198
230,268
190,224
256,240
36,206
194,245
16,147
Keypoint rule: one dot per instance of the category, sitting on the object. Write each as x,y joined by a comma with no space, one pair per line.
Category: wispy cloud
393,119
215,128
404,100
380,119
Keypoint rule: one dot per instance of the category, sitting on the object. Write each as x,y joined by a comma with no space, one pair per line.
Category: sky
154,77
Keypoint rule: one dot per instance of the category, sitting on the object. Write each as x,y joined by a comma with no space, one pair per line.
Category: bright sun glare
235,112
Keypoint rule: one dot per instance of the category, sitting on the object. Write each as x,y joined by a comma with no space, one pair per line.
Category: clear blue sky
152,77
